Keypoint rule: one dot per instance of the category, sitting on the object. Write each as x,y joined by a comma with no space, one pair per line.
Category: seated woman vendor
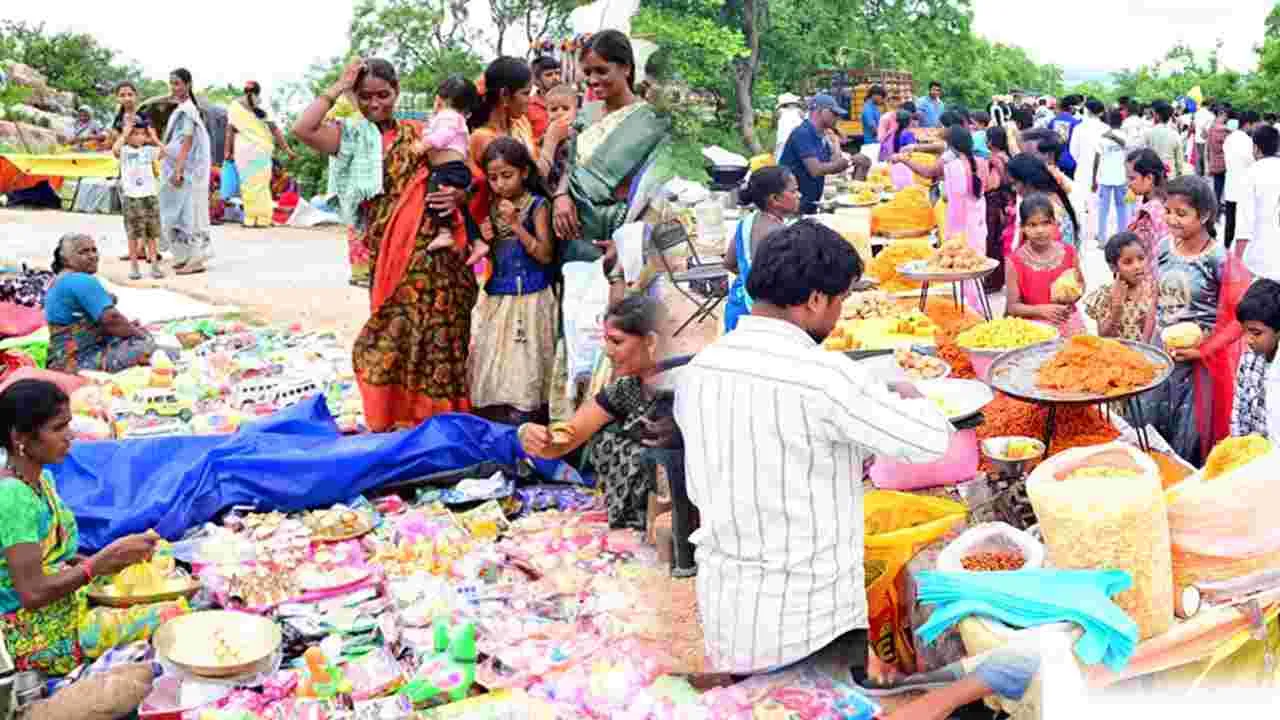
86,331
611,424
42,580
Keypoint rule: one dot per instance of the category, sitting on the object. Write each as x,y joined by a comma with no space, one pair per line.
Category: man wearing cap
790,115
812,152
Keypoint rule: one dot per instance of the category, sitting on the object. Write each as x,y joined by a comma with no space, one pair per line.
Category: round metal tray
99,596
916,272
1014,374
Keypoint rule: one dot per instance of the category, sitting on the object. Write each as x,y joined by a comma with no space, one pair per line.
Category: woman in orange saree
410,358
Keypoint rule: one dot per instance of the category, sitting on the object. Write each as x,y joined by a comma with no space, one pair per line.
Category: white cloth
1203,121
138,171
1261,210
1111,167
1084,148
789,119
1238,151
777,432
1271,384
1135,131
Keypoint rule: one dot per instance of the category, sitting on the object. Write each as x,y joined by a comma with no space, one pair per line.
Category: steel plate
1014,374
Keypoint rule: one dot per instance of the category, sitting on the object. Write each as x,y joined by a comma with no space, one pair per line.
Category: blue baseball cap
826,102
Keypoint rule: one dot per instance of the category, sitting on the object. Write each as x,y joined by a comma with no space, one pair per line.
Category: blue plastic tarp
293,460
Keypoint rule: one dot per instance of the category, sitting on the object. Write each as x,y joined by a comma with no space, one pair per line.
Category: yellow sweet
1182,336
884,266
1005,333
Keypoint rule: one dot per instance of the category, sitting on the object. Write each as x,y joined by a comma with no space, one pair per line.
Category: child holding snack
1038,262
140,189
1125,308
514,323
1259,314
1200,283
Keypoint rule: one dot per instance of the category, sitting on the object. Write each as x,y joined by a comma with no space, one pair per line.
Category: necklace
1042,262
1182,247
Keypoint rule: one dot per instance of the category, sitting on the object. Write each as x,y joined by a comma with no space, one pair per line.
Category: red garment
1035,286
1220,356
538,118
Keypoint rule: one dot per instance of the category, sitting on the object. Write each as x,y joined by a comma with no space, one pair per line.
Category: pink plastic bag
19,320
958,465
901,175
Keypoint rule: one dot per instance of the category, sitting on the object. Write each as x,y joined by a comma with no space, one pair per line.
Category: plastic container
991,537
958,465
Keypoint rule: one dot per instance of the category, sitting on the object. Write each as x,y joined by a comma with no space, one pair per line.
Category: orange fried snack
1095,365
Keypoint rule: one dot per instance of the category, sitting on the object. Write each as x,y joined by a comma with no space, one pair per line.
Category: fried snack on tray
917,366
1100,366
957,256
884,266
869,305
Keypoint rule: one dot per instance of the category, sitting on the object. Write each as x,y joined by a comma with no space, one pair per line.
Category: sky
274,41
1092,36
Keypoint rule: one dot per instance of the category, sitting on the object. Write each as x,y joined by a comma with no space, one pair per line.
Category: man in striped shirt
777,432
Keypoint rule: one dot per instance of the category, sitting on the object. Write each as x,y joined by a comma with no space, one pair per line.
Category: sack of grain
1225,527
1102,507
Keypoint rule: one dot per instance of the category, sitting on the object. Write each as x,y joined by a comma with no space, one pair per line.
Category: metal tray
98,595
916,272
1014,374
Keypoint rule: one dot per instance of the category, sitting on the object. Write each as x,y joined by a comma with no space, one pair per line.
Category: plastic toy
323,681
162,370
449,673
161,402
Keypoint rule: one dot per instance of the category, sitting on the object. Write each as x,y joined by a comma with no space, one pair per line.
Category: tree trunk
745,76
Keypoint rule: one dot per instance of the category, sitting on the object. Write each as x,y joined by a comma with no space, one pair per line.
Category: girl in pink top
445,145
1040,260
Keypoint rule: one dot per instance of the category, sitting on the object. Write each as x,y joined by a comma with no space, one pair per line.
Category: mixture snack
1103,508
998,560
957,256
1100,366
1077,426
1006,333
884,266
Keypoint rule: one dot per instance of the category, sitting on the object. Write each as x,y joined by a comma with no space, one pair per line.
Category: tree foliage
71,61
539,19
426,40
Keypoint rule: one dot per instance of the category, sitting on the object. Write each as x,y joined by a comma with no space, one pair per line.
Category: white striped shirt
776,432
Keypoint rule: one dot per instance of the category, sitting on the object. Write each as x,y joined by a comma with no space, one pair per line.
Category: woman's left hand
1187,354
610,249
446,199
178,172
536,440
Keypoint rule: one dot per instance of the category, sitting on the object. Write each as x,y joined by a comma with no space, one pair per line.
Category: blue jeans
1107,195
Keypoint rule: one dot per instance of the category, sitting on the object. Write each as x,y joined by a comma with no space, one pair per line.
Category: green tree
71,61
427,40
539,18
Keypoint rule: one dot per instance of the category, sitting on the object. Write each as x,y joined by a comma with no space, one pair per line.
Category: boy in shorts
140,188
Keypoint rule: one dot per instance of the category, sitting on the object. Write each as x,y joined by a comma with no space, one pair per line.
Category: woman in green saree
619,158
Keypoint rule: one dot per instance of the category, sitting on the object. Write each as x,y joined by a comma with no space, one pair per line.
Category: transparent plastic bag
991,537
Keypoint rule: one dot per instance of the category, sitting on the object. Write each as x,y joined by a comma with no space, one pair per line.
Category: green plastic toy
449,673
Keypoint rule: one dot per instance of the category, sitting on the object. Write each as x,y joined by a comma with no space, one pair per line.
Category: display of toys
322,680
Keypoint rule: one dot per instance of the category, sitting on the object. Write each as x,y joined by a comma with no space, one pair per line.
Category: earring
22,450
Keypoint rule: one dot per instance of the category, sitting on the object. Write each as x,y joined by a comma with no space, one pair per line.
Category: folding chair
707,280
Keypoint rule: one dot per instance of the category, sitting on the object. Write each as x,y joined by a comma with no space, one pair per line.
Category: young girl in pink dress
1040,260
